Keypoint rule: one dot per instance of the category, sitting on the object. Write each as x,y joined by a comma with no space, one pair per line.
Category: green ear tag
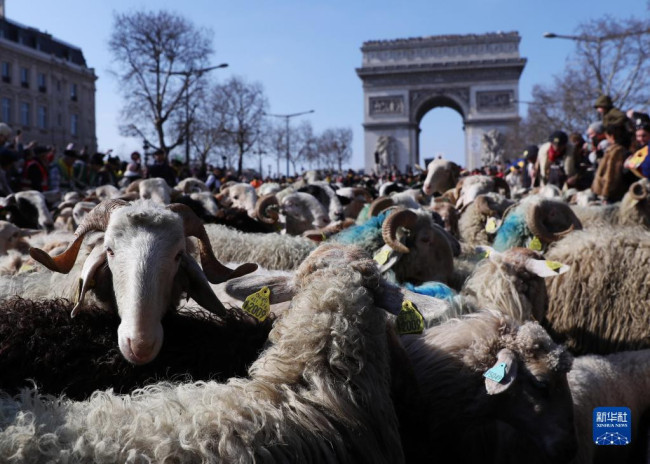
496,373
491,225
554,265
382,256
535,244
409,320
258,304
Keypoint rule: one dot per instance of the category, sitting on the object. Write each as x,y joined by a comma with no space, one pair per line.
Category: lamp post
145,148
187,74
286,119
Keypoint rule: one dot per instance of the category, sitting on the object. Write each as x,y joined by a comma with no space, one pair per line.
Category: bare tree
275,142
303,144
611,58
241,106
335,146
150,48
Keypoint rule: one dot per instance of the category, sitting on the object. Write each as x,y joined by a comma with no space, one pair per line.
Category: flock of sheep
457,322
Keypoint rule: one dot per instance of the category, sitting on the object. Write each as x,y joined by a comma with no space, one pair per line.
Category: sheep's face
155,189
144,252
441,176
292,207
539,402
242,196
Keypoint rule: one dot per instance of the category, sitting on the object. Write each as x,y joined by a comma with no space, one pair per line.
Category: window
42,117
25,114
74,124
6,110
6,71
24,77
73,92
42,82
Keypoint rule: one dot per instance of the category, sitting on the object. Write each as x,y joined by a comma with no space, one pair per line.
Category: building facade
476,75
46,89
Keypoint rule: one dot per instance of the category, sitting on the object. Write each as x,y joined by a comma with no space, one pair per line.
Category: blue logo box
612,426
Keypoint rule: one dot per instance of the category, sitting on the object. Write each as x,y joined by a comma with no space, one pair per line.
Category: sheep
633,209
191,185
302,212
449,216
442,175
468,188
472,223
239,195
271,251
141,268
79,356
28,210
317,394
449,362
512,282
353,200
601,305
327,197
12,237
544,219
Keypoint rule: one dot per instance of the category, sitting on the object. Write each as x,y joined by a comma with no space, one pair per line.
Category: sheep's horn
266,209
399,218
133,187
638,191
500,182
379,205
213,269
535,221
483,205
96,219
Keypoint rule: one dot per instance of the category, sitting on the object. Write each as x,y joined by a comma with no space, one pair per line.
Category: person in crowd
610,115
161,168
639,162
609,183
7,160
36,175
214,179
134,168
597,143
555,160
62,171
584,174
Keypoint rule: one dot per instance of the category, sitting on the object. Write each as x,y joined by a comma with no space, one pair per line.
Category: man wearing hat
555,160
610,115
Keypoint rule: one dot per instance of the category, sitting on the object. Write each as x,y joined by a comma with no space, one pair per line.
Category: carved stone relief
386,105
495,100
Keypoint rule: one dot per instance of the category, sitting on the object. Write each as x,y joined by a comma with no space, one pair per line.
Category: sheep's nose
427,189
142,351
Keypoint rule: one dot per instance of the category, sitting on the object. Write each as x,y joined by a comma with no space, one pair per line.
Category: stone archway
476,75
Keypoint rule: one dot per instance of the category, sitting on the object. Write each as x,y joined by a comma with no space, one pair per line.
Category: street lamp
286,118
145,147
187,74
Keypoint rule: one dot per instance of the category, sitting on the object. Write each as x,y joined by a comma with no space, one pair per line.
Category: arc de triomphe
476,75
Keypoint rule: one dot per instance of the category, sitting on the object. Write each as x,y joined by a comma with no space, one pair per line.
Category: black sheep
39,342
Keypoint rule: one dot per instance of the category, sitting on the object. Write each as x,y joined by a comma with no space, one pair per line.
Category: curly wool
601,304
319,393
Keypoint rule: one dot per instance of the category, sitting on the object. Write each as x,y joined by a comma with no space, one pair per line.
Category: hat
604,101
70,153
558,138
597,127
641,121
5,129
530,153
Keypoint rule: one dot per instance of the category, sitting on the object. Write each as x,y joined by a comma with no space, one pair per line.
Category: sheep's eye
236,197
110,251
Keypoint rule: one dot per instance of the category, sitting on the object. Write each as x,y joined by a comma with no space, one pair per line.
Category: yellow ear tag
258,304
554,265
382,256
491,225
409,320
535,244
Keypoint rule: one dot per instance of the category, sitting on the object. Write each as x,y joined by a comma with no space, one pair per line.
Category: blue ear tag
496,373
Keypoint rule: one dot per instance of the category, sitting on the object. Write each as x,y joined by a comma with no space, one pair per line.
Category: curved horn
266,209
483,206
638,191
500,182
379,205
535,220
398,218
213,269
96,219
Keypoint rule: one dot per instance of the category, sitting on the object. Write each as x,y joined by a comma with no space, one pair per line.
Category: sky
304,53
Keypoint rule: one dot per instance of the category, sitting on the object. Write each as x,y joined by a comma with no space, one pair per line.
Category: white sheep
319,393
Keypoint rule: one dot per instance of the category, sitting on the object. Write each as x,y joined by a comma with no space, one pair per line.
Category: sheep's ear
197,287
95,259
281,287
503,374
545,268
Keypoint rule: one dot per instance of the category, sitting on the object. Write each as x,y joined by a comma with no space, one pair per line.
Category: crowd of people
614,154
